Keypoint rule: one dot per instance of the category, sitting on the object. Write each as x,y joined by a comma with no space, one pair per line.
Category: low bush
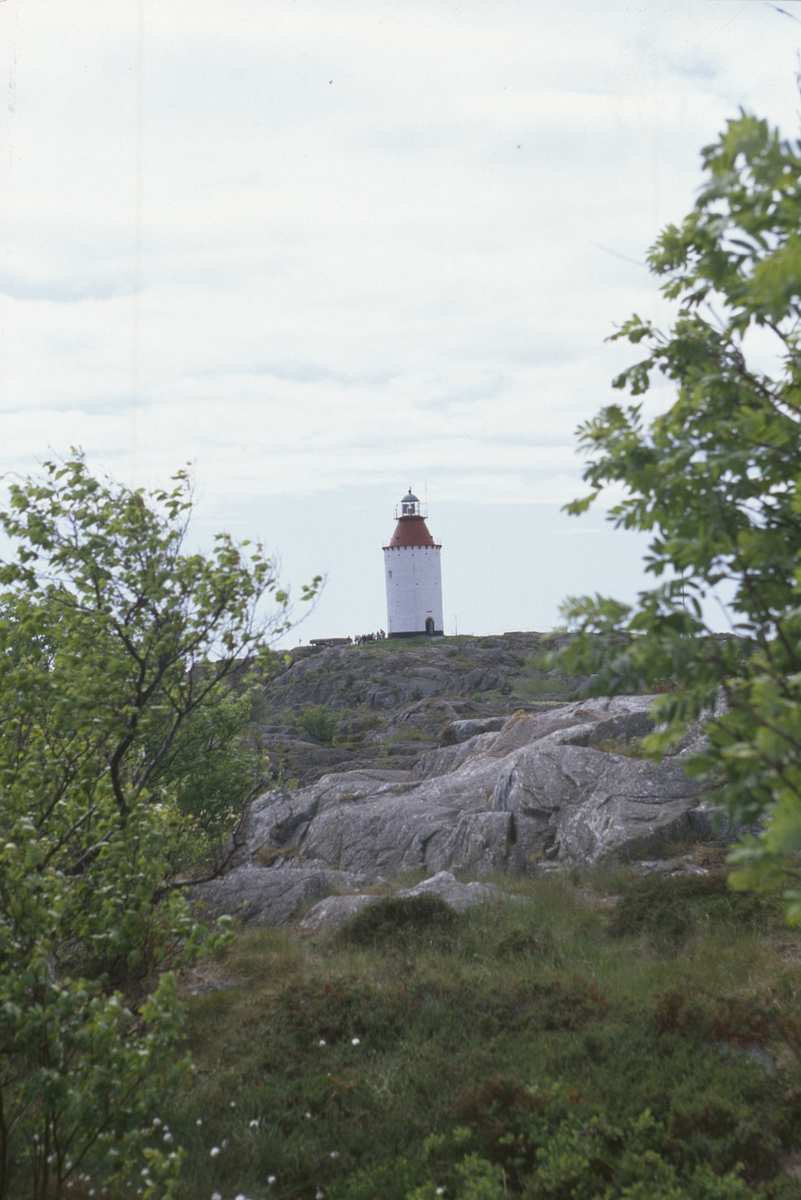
410,733
409,920
319,722
667,910
523,940
538,660
543,1141
630,749
541,687
730,1020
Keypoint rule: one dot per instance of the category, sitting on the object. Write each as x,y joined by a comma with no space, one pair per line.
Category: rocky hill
427,758
561,788
388,701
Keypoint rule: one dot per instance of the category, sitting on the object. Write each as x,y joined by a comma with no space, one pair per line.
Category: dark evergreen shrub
400,921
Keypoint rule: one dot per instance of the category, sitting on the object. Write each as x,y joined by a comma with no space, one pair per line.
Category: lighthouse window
390,574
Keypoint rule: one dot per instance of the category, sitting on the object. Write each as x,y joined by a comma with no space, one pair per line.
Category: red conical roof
412,531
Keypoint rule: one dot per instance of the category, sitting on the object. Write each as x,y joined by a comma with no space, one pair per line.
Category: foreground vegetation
714,482
607,1038
545,1047
123,764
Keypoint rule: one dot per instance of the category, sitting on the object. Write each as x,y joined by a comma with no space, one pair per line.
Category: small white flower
307,1116
241,1196
254,1124
215,1150
233,1104
318,1195
440,1191
355,1042
91,1191
167,1136
199,1121
335,1154
224,1143
145,1172
270,1180
321,1042
157,1121
216,1196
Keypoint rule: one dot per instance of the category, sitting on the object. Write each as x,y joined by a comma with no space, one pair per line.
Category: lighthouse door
430,626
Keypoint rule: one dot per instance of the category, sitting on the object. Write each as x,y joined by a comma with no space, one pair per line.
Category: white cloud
326,250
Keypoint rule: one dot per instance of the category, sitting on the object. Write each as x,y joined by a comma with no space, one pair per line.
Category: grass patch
538,660
631,748
270,854
544,1046
667,911
410,734
542,687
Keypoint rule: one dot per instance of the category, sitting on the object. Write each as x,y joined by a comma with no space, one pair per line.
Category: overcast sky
325,251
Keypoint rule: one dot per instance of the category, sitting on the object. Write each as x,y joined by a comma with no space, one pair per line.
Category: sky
326,251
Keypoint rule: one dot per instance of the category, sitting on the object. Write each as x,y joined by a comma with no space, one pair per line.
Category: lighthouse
413,575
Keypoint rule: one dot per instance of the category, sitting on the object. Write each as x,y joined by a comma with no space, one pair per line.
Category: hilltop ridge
392,699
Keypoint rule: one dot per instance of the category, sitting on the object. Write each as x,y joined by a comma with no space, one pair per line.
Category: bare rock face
459,896
461,731
334,911
535,791
256,895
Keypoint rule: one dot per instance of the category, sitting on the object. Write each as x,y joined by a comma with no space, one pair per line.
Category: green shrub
319,722
120,679
393,921
410,734
729,1021
540,687
213,766
632,748
669,909
370,720
543,1142
521,941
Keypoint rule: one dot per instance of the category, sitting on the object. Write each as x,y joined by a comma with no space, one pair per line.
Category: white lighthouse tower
413,575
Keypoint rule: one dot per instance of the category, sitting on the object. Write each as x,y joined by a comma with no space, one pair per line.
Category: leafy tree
117,646
715,481
214,766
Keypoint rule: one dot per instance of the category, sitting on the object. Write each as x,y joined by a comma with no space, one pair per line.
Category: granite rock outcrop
544,790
